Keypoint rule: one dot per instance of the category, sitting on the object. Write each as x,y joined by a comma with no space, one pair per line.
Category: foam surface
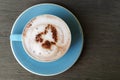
38,25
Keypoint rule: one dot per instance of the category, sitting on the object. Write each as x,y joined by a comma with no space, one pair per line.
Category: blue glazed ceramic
60,65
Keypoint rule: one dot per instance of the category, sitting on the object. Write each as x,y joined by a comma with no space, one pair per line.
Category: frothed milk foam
46,38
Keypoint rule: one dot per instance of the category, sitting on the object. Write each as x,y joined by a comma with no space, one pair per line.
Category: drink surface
46,38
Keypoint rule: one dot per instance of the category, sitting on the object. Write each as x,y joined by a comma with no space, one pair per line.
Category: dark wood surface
100,59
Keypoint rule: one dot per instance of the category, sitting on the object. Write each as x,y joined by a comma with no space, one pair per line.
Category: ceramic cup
45,38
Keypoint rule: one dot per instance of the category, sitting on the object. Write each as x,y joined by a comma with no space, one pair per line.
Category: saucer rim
81,31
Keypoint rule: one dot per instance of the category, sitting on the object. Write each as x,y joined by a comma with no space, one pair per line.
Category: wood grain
100,59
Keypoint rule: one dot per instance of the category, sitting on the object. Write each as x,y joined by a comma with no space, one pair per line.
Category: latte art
46,38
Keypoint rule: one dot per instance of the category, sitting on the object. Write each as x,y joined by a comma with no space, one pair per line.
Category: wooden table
100,59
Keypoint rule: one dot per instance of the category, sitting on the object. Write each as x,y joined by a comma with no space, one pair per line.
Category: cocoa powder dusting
53,43
24,33
47,44
41,40
38,37
54,33
28,25
53,30
45,32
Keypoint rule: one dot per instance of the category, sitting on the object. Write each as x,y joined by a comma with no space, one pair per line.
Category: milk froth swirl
46,38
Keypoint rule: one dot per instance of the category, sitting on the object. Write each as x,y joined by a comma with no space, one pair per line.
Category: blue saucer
60,65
